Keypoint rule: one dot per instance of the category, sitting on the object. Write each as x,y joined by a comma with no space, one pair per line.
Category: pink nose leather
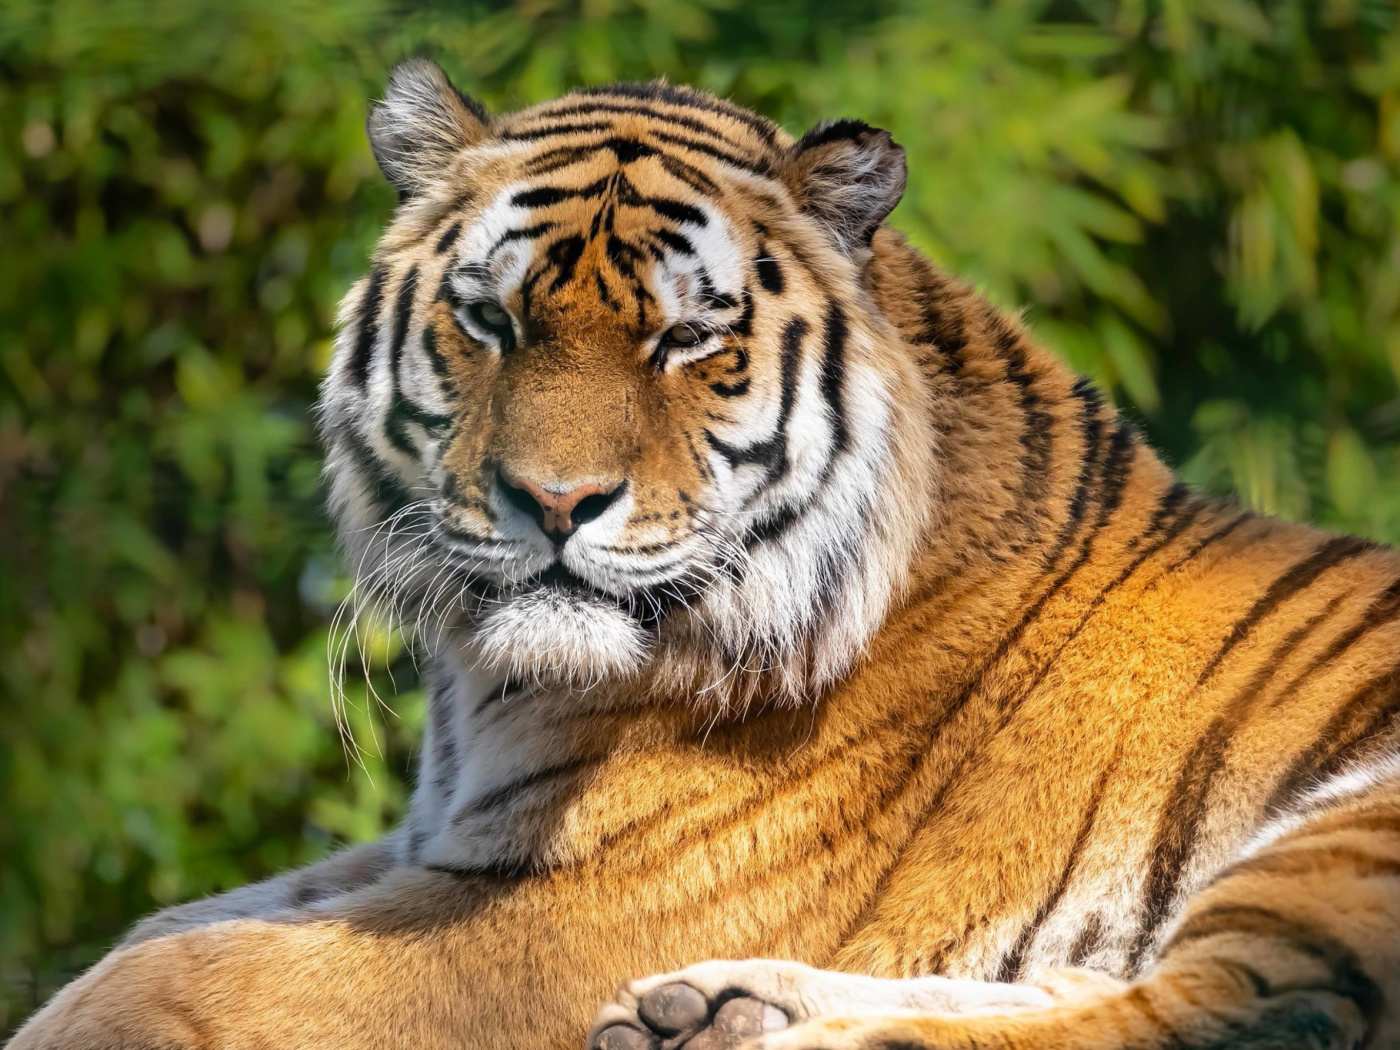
556,509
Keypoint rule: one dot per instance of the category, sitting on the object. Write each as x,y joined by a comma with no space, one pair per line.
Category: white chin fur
556,638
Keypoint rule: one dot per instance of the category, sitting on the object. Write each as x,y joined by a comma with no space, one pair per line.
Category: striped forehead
672,244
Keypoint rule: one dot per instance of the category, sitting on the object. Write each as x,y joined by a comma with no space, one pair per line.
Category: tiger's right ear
422,123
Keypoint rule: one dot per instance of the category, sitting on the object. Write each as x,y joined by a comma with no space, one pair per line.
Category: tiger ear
849,176
421,124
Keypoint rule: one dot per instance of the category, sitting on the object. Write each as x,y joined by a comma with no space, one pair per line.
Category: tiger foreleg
1296,945
720,1004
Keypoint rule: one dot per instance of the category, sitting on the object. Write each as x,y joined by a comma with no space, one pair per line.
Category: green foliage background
1196,201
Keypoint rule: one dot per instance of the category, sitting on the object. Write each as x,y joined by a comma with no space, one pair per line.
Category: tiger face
614,400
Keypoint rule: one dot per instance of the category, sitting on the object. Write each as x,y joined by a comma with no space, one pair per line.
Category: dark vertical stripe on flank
1014,964
1157,535
1088,940
1114,479
833,378
1382,611
1182,816
1333,552
1167,506
1364,716
368,328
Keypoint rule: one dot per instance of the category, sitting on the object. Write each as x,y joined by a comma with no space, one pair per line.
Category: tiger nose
558,514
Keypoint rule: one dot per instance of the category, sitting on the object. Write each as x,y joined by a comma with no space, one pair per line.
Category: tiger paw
715,1005
712,1006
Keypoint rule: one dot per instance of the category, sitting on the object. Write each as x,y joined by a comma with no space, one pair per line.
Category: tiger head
614,402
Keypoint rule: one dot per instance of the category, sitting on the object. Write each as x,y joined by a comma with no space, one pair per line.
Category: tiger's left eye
682,335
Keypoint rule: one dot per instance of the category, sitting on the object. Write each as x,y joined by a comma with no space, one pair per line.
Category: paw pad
679,1017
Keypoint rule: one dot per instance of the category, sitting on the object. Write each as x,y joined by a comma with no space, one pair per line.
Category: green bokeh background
1197,202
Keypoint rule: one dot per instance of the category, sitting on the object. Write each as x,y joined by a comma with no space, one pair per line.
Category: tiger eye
492,315
682,335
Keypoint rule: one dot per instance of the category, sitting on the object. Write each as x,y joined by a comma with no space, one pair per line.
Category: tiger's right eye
682,335
491,315
488,317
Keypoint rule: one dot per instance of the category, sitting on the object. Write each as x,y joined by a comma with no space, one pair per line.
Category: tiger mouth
648,606
558,577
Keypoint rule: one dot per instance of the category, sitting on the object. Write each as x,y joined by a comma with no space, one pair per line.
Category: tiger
814,662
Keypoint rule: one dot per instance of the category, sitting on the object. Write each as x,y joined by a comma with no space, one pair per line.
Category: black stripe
1036,432
1183,815
676,211
724,156
543,196
403,311
770,274
401,408
436,360
834,131
675,119
772,452
738,389
1091,424
522,233
448,239
1347,977
629,150
498,797
385,487
1209,541
671,94
1382,611
1160,533
675,241
368,330
833,377
689,174
1357,722
561,157
564,255
1335,551
1014,964
1088,941
1113,479
445,755
535,134
774,527
942,325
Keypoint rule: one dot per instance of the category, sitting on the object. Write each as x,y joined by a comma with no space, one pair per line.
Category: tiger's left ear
422,123
849,176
